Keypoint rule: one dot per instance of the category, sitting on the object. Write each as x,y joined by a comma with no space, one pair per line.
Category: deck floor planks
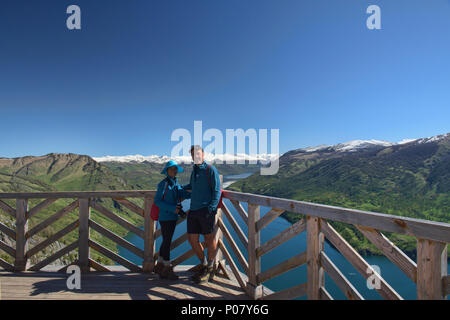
118,284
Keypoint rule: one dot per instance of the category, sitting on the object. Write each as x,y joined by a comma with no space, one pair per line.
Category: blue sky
140,69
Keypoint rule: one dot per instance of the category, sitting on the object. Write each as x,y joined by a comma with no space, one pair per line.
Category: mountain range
411,178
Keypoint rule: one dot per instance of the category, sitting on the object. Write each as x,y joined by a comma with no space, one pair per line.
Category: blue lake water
394,276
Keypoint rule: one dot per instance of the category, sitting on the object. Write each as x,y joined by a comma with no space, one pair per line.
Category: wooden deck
119,284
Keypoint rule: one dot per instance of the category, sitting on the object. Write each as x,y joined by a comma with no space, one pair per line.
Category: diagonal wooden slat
44,204
115,257
180,259
324,294
130,205
52,239
7,209
124,223
391,251
234,268
287,294
158,231
385,290
117,239
64,269
281,238
235,225
268,218
339,279
53,257
283,267
240,209
7,249
5,265
55,217
97,266
243,262
175,243
9,232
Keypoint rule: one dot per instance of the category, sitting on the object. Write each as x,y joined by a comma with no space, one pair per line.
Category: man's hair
196,147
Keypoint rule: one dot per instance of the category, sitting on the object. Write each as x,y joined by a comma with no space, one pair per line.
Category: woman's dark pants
167,230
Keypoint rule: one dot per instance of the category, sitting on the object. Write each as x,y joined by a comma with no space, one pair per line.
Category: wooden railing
429,272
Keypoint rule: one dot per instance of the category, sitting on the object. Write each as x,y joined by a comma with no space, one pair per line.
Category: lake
394,276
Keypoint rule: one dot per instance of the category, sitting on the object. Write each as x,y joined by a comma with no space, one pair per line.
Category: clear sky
139,69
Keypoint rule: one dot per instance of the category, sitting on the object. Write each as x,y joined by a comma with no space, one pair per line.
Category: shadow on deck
119,284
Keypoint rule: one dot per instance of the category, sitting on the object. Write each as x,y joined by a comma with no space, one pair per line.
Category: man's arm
216,189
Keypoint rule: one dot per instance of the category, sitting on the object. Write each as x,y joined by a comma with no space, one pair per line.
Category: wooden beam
339,279
115,257
234,268
149,237
5,265
130,205
235,225
44,204
285,266
431,269
79,194
254,289
391,251
21,262
352,256
281,238
117,219
7,209
240,209
47,222
242,261
7,249
287,294
97,266
6,230
268,218
38,266
117,239
439,231
315,272
61,233
83,234
324,294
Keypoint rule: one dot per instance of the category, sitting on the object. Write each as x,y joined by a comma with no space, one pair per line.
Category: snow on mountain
226,158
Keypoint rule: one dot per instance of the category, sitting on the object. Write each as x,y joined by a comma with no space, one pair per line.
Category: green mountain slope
410,180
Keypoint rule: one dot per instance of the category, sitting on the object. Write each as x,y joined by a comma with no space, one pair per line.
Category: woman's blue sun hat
172,163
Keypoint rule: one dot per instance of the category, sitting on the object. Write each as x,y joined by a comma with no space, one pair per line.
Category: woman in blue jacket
168,199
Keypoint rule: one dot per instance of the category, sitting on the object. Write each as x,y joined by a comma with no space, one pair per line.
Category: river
394,276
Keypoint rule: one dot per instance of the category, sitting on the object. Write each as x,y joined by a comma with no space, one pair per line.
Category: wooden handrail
430,271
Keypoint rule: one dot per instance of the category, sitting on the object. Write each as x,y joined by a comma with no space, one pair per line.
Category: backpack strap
165,189
207,175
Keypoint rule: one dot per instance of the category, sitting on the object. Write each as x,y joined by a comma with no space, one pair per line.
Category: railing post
254,289
219,255
83,234
431,269
21,261
315,272
149,238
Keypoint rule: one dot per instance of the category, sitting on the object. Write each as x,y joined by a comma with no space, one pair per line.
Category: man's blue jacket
205,192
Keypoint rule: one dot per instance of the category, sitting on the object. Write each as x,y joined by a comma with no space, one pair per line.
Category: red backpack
221,190
154,212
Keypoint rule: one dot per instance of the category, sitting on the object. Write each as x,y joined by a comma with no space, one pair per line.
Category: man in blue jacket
205,196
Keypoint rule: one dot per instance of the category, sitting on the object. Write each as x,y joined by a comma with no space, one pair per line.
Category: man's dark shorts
200,221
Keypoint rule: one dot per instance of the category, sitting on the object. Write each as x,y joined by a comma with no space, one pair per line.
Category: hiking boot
167,273
158,268
204,275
